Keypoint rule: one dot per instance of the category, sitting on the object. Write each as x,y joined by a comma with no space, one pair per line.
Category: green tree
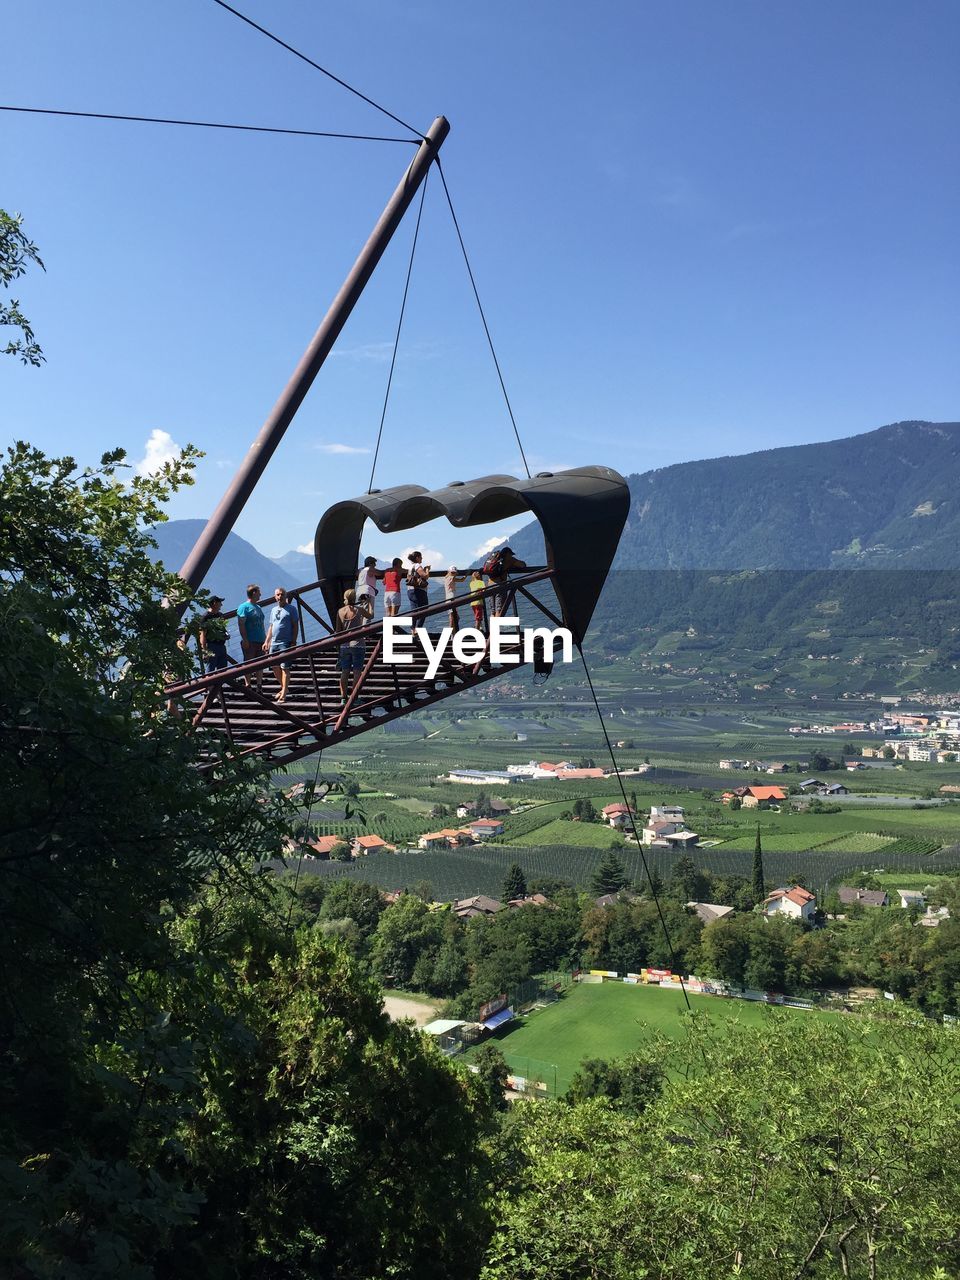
492,1073
655,884
630,1084
514,883
609,877
449,973
839,1158
687,882
407,930
17,251
759,884
353,900
341,852
724,950
190,1084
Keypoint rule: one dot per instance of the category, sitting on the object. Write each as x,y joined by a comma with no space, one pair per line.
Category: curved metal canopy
581,512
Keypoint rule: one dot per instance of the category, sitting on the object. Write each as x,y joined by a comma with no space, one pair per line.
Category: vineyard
460,873
384,817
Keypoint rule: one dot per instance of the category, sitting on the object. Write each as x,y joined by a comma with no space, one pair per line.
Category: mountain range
887,499
890,497
238,564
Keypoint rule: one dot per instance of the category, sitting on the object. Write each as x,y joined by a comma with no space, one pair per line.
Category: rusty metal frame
380,708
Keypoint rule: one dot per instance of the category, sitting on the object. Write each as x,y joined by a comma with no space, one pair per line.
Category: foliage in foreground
188,1085
795,1149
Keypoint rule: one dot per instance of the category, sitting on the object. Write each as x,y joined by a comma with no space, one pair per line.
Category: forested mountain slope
890,497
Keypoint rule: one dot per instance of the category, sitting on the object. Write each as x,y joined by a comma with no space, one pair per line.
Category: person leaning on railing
477,585
356,612
418,579
498,569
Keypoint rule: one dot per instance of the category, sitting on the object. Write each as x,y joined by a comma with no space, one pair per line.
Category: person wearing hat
213,636
450,581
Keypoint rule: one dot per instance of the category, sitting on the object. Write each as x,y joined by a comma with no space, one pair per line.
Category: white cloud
160,448
382,352
491,544
341,448
435,559
306,549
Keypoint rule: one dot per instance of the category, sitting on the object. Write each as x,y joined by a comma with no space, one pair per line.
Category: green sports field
609,1020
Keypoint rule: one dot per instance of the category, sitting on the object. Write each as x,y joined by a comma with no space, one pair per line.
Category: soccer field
609,1020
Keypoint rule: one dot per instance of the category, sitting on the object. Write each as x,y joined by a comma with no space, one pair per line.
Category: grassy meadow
610,1020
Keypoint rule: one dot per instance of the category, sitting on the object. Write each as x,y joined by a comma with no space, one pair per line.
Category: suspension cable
316,65
207,124
486,329
396,341
631,817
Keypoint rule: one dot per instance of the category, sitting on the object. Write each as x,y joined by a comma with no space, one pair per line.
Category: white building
482,777
797,903
666,813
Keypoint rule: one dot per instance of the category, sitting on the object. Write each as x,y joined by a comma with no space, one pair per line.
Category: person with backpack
418,579
498,567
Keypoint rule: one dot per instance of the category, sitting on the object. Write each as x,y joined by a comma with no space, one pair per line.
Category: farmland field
593,835
609,1020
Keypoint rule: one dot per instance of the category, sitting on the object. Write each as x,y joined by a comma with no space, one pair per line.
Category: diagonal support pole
197,564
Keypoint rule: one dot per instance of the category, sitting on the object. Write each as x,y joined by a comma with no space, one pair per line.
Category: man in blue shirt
281,635
252,630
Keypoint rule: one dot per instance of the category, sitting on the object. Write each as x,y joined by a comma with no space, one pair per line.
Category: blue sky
697,229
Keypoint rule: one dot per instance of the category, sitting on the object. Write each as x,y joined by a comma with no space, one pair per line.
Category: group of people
497,568
274,633
278,630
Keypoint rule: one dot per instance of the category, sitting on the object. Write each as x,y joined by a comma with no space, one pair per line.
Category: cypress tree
515,883
759,891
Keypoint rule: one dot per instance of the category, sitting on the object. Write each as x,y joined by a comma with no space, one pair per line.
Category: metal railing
308,717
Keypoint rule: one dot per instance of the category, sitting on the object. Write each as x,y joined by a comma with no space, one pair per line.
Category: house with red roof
617,815
320,848
797,903
757,796
448,838
371,844
486,828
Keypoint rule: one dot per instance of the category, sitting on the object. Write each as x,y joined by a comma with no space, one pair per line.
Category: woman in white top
367,580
